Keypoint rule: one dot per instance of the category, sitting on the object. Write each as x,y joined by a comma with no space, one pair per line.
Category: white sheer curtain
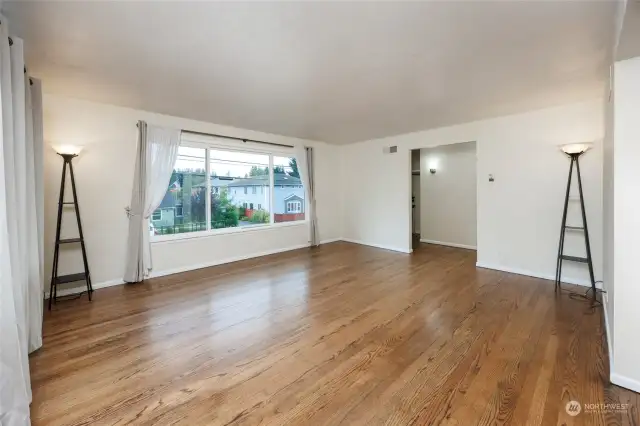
21,286
304,158
156,156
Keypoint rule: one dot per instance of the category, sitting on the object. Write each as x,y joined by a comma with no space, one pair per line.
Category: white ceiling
338,72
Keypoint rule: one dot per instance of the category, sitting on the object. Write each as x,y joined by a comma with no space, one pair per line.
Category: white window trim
207,180
225,231
208,142
271,195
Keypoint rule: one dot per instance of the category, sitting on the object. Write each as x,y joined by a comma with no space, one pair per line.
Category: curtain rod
233,138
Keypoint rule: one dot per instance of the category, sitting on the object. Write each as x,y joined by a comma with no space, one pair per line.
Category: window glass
232,173
182,208
288,193
233,189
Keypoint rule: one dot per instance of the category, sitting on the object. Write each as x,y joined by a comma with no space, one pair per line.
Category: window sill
225,231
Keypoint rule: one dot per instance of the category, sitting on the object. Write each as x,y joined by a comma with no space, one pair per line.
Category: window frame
159,210
208,143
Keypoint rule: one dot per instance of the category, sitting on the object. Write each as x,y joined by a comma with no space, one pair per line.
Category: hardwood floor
342,334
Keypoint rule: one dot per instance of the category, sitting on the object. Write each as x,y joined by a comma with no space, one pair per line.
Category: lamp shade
575,148
67,149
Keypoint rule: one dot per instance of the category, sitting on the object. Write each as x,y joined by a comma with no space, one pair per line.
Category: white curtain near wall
156,156
304,158
21,284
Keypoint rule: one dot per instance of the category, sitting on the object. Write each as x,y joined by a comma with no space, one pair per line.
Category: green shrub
260,216
223,213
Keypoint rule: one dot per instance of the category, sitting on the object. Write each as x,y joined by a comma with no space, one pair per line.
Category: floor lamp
68,153
574,151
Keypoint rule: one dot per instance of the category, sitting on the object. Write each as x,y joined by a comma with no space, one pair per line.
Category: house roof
293,197
168,201
280,179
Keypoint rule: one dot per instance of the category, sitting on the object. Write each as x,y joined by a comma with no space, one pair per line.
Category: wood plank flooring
342,334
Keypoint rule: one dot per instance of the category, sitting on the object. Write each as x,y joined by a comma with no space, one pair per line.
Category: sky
225,163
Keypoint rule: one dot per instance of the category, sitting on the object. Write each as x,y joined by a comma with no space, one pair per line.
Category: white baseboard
381,246
625,382
442,243
154,274
79,289
330,240
584,283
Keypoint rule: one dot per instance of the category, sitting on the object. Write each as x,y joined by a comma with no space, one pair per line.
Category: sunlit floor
342,334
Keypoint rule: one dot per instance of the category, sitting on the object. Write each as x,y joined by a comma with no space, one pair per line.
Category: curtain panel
21,228
304,158
155,158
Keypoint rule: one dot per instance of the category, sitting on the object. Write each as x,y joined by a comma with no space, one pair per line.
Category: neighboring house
169,210
249,193
253,193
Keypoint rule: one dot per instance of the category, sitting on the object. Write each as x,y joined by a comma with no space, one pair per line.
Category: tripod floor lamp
574,151
68,153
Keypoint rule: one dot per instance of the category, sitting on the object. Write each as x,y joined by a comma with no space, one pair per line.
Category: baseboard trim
380,246
80,289
625,382
111,283
442,243
517,271
331,240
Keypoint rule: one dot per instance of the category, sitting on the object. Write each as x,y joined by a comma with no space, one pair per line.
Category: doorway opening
415,198
444,196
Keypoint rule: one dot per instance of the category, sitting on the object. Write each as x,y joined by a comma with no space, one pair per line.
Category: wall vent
390,149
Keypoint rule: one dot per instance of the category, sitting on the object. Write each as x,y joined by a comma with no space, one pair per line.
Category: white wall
626,234
607,217
518,215
448,212
104,174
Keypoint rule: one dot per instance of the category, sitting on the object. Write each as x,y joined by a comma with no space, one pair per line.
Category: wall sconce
433,164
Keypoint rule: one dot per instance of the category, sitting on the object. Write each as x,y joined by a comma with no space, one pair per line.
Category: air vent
390,149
